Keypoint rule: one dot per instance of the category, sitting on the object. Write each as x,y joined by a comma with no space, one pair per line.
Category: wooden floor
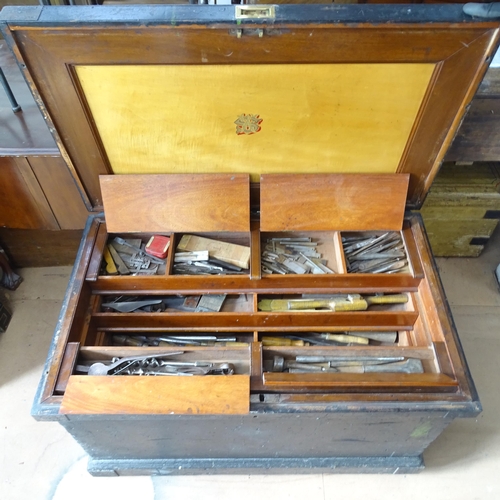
41,461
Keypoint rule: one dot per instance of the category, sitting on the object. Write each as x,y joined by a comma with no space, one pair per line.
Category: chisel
350,302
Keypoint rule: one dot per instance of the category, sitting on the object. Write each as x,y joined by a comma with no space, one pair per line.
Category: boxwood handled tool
338,303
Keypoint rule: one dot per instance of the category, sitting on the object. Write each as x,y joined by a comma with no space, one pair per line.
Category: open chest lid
252,89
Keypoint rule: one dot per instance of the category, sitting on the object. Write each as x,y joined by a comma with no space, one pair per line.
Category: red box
158,246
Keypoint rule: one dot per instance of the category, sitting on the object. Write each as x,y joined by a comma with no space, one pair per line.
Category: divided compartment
354,369
183,339
238,356
347,360
220,256
132,258
277,321
199,393
338,338
164,305
235,315
328,249
329,204
345,303
237,255
373,257
215,206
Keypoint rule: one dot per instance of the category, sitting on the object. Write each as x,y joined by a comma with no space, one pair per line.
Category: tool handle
317,367
295,305
225,265
401,298
349,305
337,305
346,339
280,341
110,264
121,266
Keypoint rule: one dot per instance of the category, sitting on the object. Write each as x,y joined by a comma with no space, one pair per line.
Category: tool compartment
326,128
248,316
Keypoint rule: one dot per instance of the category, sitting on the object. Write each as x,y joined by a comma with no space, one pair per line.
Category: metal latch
255,11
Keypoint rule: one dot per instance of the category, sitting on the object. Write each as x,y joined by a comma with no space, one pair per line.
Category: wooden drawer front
357,382
154,394
157,395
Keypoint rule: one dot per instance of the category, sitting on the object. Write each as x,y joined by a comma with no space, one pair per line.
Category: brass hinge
255,11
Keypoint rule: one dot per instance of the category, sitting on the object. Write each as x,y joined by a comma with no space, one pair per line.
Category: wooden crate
462,209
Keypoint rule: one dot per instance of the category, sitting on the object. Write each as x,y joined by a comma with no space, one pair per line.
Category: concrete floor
41,461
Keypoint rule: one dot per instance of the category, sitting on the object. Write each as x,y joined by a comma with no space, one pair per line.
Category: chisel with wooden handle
410,365
345,339
281,341
341,303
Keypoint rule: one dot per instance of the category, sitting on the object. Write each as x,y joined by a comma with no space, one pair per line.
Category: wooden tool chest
251,126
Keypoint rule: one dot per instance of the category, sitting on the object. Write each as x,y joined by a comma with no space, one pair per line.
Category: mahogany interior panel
342,202
360,382
176,202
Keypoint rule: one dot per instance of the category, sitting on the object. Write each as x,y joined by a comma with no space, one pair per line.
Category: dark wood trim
74,309
356,382
443,111
190,14
432,287
314,283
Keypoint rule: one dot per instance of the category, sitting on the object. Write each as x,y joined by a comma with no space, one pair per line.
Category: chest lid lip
48,44
76,15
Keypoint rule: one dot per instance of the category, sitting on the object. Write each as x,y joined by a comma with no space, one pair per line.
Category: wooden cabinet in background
478,138
39,193
22,202
42,213
60,190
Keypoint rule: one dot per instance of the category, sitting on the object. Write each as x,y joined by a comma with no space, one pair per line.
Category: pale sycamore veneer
316,115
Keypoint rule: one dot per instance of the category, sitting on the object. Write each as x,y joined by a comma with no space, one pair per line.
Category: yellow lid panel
280,118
